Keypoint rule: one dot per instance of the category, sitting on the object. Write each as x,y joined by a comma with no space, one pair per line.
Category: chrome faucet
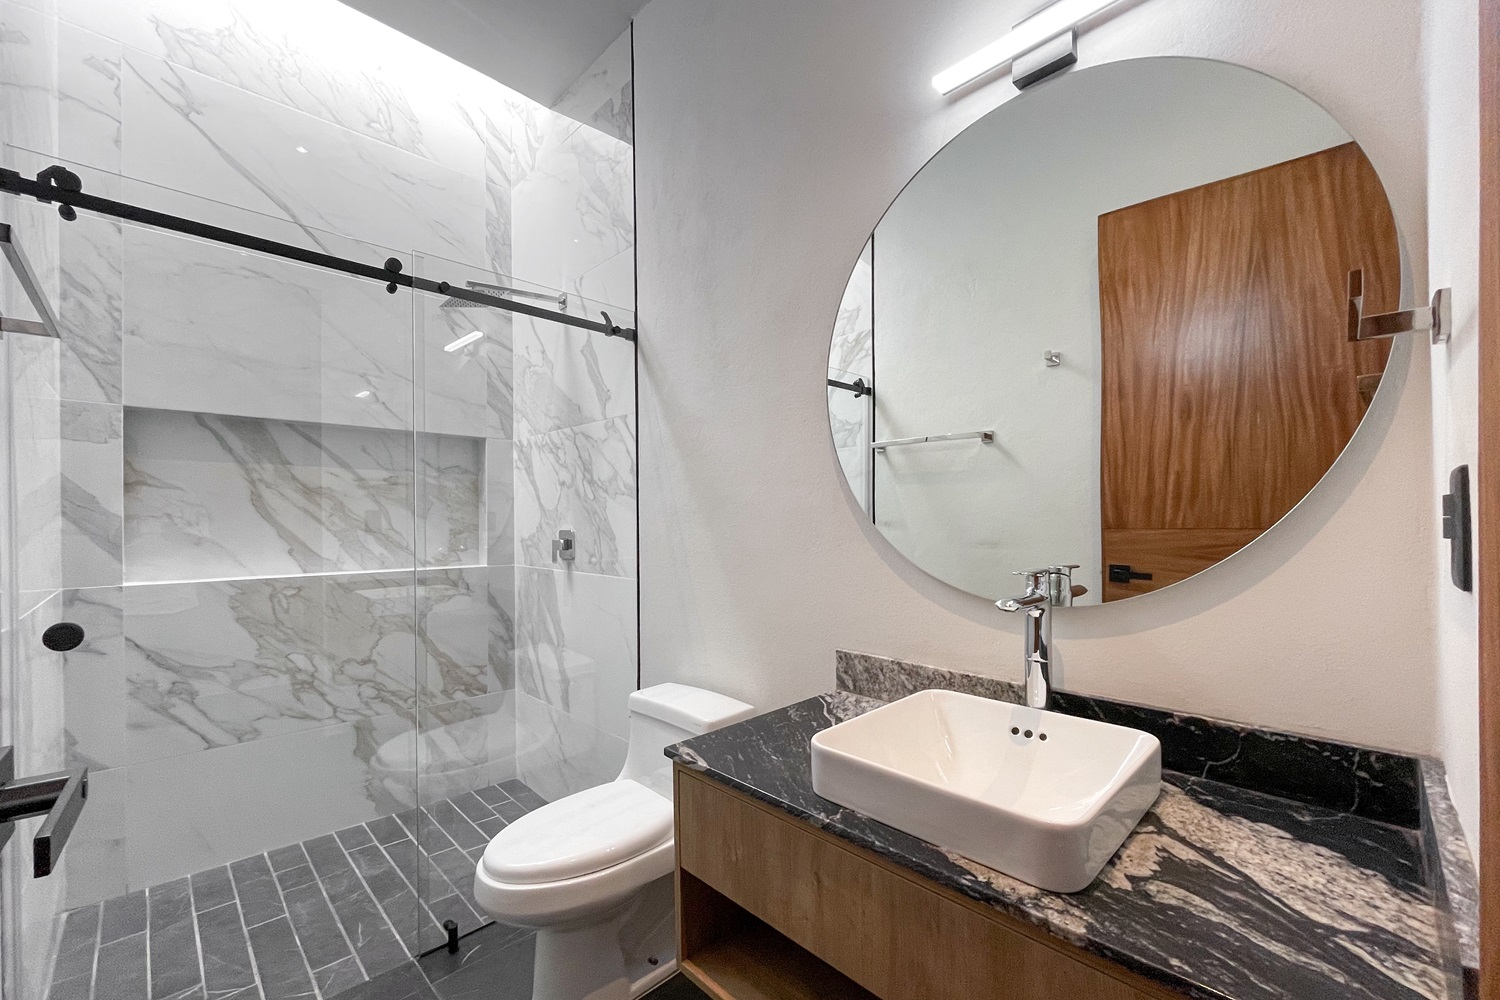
1046,589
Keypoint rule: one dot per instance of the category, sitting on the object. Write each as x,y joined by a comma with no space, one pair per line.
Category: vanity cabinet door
892,932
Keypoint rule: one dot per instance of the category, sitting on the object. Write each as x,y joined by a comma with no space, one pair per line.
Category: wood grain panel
1229,385
1172,555
1488,496
897,935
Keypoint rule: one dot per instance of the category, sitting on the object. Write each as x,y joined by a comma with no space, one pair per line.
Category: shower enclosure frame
59,186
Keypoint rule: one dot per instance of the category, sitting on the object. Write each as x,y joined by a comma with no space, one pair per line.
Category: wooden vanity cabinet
770,907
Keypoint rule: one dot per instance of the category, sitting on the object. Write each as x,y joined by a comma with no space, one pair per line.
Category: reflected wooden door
1229,385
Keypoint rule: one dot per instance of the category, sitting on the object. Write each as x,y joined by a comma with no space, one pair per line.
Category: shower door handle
59,797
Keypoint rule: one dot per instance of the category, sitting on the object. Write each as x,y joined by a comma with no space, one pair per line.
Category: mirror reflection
1107,326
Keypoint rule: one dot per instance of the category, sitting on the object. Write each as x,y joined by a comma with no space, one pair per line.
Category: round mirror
1107,326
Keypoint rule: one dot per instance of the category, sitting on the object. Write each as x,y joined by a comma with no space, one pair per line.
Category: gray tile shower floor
308,920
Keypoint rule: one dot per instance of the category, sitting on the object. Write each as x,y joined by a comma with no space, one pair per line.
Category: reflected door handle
1124,574
59,797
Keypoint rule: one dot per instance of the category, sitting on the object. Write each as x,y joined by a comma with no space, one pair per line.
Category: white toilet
592,872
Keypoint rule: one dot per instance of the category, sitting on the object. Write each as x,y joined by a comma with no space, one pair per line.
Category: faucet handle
1056,582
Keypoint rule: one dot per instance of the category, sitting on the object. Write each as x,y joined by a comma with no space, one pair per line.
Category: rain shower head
500,292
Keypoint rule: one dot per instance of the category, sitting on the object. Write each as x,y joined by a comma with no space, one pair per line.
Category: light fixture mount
1046,26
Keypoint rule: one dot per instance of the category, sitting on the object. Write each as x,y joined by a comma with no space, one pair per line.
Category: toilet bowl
592,872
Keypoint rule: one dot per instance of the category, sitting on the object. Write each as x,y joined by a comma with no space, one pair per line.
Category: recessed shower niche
211,497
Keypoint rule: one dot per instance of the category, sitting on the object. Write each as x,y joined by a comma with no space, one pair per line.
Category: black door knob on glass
59,797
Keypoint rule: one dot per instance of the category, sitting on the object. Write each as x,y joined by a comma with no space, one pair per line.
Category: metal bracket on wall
1438,317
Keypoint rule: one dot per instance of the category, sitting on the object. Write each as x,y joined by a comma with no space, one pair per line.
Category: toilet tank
667,714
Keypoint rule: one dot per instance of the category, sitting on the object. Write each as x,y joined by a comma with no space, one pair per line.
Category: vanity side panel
886,929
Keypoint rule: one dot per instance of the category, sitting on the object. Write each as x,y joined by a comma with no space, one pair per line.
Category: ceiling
538,47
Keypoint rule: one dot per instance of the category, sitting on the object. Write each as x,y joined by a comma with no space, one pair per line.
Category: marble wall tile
162,819
502,595
576,645
610,284
190,132
209,497
560,754
326,60
37,441
853,330
583,478
90,105
96,690
40,740
90,307
575,209
28,75
451,514
213,329
211,665
92,495
603,96
500,501
566,377
459,388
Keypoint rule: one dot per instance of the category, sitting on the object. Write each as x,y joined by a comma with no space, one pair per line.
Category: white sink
1042,797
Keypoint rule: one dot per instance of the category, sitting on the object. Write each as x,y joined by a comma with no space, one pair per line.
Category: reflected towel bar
988,437
859,387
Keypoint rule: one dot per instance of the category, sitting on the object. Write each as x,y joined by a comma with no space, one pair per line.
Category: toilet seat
583,833
576,855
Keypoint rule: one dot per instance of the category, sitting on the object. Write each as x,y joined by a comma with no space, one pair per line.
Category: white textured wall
990,257
770,137
1452,46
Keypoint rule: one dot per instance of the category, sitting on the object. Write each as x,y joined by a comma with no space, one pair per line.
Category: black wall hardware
57,184
59,797
63,637
1458,528
859,387
450,927
1124,574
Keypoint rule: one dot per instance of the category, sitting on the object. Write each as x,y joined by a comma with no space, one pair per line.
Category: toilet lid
582,833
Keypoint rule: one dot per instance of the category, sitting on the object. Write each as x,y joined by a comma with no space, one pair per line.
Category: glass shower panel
543,712
30,580
232,515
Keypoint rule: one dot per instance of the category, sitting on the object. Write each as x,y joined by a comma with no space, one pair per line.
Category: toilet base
619,957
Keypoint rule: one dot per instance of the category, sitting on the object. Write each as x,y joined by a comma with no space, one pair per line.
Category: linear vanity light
464,341
1038,29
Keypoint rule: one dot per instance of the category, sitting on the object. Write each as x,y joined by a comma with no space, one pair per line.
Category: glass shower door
552,407
216,477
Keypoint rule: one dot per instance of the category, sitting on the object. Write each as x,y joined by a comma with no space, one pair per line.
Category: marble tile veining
211,497
1450,857
576,644
583,478
231,662
1220,893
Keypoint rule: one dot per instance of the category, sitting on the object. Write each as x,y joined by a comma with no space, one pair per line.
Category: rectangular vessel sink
1042,797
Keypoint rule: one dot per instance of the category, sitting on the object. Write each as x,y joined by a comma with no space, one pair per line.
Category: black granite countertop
1221,892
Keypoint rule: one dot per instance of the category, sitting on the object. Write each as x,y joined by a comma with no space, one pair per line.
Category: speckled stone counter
1221,891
